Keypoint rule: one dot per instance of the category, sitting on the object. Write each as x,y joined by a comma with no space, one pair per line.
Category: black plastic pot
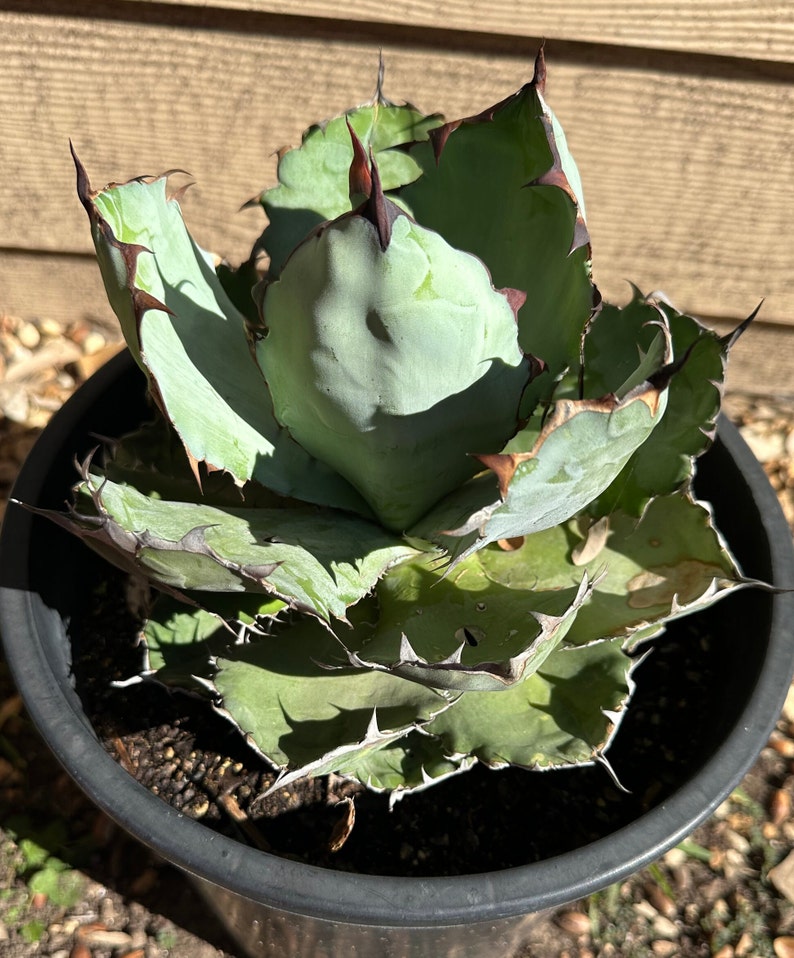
279,907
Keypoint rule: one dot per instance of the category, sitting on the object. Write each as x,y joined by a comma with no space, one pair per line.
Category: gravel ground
72,885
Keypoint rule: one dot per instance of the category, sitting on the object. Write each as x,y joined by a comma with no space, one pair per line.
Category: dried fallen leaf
343,828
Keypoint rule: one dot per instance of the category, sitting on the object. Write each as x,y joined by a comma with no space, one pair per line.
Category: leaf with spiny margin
175,635
503,186
154,461
464,632
564,714
666,460
190,340
314,178
669,563
410,764
317,561
582,447
307,719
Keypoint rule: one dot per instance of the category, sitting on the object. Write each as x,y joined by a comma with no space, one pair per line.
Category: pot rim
386,901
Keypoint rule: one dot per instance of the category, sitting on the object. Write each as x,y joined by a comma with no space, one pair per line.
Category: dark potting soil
481,820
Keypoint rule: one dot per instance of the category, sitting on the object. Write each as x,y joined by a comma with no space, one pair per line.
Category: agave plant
412,500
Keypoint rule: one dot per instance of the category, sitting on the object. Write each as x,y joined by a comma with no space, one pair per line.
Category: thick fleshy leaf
502,185
410,764
647,572
581,449
190,340
666,460
466,631
308,720
391,358
317,561
175,636
564,714
624,346
314,183
154,461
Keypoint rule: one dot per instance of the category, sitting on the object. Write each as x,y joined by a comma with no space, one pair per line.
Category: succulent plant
413,500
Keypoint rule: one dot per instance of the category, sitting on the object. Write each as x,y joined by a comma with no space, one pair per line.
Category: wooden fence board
685,174
69,289
759,29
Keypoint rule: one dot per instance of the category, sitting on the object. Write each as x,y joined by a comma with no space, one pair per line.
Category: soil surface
476,822
73,886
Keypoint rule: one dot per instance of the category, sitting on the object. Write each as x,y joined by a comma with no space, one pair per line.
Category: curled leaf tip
503,465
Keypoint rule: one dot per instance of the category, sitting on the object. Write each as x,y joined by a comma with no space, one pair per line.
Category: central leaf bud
391,358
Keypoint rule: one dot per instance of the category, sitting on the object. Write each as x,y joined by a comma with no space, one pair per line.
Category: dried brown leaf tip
359,176
379,210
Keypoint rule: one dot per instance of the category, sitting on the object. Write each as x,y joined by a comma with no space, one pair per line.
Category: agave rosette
411,501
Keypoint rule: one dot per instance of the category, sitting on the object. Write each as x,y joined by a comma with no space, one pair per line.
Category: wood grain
69,289
685,174
756,29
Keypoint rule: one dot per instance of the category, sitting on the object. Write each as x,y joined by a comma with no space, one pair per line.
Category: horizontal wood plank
684,175
69,289
757,29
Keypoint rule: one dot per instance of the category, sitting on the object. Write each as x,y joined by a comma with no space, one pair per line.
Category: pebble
743,945
780,806
574,922
784,946
675,858
665,928
105,938
646,910
765,445
738,842
660,901
93,343
51,328
664,949
28,335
